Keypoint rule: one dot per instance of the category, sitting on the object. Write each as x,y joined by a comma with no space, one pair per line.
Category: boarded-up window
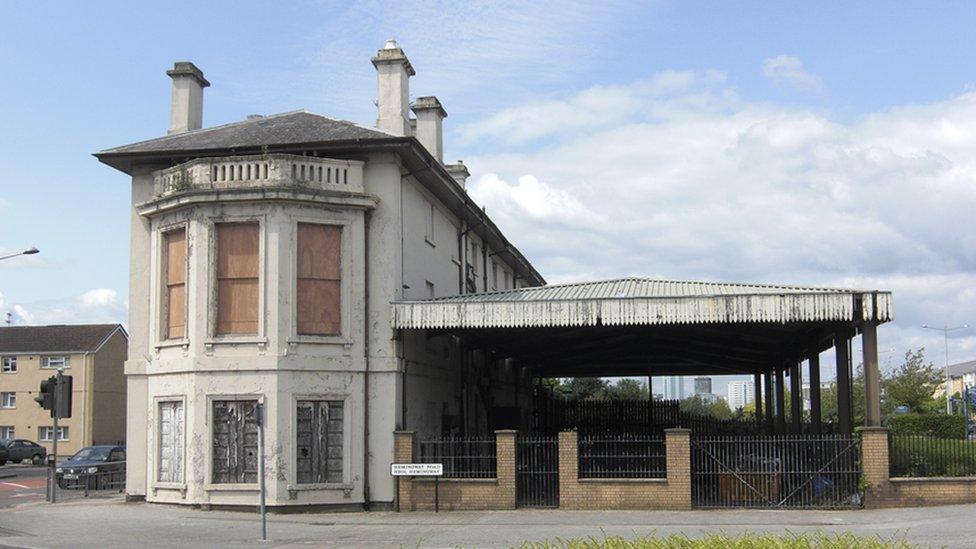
319,441
171,441
319,278
235,442
174,272
237,278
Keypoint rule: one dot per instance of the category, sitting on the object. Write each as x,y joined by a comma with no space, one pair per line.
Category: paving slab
113,523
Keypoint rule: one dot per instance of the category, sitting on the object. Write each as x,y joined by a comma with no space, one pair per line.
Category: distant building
741,393
93,354
962,374
703,385
674,388
824,385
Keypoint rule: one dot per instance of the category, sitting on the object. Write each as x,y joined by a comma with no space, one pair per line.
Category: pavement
21,483
113,523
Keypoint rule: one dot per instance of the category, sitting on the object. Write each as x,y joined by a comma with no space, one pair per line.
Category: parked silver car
18,450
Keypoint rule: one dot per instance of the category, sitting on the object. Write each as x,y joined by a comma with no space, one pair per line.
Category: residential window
474,257
429,226
237,278
8,400
319,281
7,431
430,289
47,433
9,364
319,441
235,442
55,362
494,275
174,274
508,280
171,441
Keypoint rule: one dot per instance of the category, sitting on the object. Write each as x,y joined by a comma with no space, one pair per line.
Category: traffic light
64,399
45,397
53,394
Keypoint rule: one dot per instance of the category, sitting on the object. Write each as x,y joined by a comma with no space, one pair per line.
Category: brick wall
671,493
417,494
883,491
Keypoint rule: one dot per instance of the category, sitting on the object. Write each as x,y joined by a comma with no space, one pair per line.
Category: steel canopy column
757,395
796,398
843,354
814,376
872,375
780,403
770,404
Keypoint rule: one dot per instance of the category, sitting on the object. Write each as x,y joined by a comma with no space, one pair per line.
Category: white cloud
96,305
726,189
788,69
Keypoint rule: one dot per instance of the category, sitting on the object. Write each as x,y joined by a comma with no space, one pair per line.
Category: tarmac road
21,484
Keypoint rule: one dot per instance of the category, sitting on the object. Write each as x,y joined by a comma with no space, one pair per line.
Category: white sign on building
417,469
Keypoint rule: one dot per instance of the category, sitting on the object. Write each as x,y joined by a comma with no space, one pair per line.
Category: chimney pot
459,172
186,107
430,126
393,72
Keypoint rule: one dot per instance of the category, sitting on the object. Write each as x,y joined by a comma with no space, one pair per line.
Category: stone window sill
433,479
623,480
231,487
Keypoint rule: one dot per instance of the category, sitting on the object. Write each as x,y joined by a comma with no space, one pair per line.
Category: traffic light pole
54,445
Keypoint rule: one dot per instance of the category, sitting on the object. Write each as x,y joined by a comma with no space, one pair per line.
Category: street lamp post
945,336
29,251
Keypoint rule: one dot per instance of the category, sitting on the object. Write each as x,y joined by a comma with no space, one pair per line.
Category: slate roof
280,129
58,338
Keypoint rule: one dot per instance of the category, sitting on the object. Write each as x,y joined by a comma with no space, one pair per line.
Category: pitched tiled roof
59,338
956,370
280,129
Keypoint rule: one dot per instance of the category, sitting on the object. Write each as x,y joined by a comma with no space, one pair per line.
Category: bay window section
319,263
237,278
174,274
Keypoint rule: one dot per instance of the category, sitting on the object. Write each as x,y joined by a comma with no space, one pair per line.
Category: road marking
17,485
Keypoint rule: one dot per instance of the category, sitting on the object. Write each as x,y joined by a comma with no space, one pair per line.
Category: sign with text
417,469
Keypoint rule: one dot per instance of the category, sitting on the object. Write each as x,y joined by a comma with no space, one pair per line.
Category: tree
626,389
912,384
584,387
696,405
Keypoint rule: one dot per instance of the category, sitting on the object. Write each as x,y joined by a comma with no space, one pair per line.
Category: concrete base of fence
417,493
671,493
884,491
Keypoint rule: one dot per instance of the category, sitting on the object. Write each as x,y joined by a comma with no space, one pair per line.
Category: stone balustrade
260,171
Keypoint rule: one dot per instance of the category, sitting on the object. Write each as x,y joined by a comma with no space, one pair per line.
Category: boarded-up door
319,441
235,442
171,441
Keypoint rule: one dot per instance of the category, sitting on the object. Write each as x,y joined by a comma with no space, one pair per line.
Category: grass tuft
819,540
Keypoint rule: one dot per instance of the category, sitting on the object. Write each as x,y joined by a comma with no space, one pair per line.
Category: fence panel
798,471
622,457
922,456
462,457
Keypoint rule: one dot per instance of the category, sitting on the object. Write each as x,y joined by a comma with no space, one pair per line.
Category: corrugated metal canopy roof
634,301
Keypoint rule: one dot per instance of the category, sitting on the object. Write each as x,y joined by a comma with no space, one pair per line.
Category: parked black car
17,450
94,468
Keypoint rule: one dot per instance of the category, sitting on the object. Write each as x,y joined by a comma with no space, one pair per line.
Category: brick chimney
430,125
186,109
393,72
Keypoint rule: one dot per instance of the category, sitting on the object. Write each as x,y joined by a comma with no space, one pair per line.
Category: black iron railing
462,457
622,457
921,456
805,471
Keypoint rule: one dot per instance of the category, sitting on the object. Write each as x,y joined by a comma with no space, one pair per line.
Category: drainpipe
366,503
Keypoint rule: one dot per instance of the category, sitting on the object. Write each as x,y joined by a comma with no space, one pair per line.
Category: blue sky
796,142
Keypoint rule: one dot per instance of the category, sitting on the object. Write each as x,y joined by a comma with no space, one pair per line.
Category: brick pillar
403,453
678,448
568,469
874,455
505,467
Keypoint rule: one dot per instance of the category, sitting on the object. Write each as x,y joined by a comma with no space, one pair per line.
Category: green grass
791,540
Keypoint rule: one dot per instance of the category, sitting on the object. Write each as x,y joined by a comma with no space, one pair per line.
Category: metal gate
788,471
537,472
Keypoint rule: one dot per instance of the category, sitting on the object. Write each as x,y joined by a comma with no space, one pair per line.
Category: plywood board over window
237,278
174,272
319,279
